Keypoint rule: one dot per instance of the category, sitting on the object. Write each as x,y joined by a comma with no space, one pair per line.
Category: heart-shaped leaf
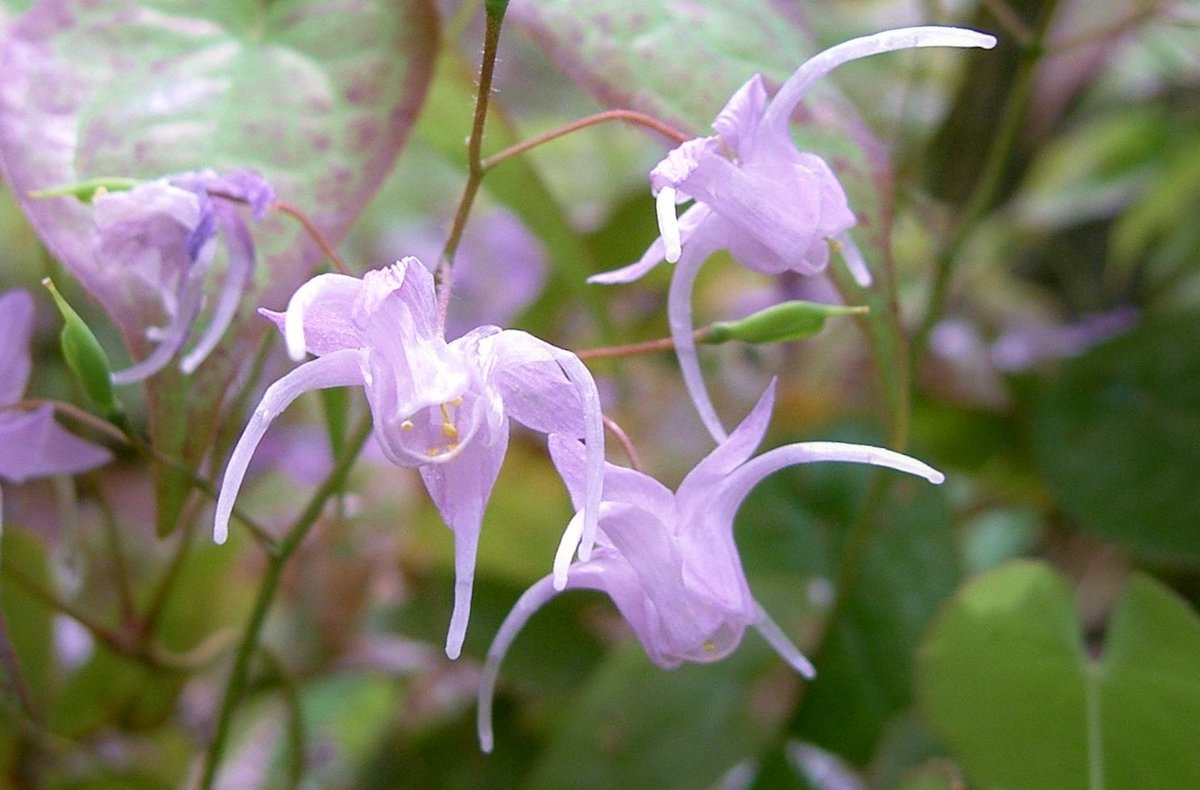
317,95
1006,680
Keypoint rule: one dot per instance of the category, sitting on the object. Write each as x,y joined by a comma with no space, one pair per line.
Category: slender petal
239,268
780,110
679,315
855,263
526,606
783,646
461,488
338,369
731,453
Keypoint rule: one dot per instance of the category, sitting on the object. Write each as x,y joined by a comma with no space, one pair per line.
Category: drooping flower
32,444
440,407
773,207
160,237
668,560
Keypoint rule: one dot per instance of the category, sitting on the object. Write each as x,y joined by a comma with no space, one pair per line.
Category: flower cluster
668,560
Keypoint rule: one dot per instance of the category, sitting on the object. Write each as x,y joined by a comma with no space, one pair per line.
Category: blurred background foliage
1031,623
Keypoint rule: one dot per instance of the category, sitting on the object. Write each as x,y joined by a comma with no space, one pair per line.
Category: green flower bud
779,323
85,357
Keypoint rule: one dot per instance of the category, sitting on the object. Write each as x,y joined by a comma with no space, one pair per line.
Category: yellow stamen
709,647
407,425
448,428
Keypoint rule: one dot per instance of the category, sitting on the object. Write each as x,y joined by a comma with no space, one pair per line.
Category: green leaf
1006,681
1117,437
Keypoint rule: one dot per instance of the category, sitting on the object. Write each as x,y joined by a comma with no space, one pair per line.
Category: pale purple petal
239,249
738,484
182,314
460,489
780,110
16,329
526,606
679,315
783,646
621,484
318,316
33,445
737,123
855,263
407,280
551,390
240,184
337,369
731,453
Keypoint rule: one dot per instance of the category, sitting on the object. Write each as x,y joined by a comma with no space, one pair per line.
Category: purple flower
160,238
440,407
668,560
775,208
32,444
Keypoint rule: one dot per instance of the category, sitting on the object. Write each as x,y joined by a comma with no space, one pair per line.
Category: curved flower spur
773,207
668,560
440,407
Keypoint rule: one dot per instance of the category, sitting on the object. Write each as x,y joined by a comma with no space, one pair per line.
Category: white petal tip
486,744
560,581
937,478
220,535
453,651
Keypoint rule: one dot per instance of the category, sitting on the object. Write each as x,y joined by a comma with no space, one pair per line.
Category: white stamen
855,263
566,549
668,223
783,646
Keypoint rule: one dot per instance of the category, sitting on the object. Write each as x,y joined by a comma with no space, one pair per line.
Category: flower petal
239,267
737,123
731,453
783,646
739,482
16,329
171,338
780,110
337,369
551,390
33,445
318,316
855,263
679,315
460,489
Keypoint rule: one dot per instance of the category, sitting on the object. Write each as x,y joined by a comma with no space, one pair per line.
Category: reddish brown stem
630,116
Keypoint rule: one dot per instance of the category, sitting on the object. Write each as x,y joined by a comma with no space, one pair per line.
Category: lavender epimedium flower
160,238
32,444
775,208
668,560
440,407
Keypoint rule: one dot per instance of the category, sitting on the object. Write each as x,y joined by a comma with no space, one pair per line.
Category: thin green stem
988,186
276,561
14,676
475,169
297,738
630,116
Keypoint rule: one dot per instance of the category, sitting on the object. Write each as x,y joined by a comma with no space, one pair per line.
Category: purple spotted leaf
316,95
